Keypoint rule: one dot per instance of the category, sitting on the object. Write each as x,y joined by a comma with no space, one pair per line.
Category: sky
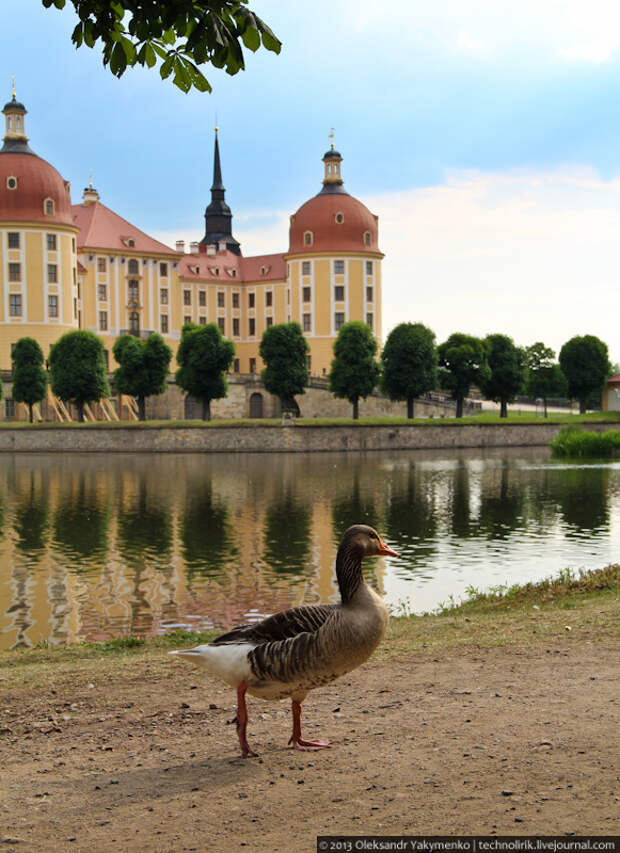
484,133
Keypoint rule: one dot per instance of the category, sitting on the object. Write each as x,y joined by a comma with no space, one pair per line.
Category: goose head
365,541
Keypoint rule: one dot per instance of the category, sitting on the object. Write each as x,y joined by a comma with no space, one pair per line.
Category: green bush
572,441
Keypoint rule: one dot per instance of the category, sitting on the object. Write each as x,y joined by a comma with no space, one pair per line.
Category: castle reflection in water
93,546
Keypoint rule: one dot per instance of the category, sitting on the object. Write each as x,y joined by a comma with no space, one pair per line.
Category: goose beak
386,550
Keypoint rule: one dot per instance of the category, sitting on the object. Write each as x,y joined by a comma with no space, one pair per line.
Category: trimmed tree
78,369
29,376
284,350
409,363
507,371
462,359
543,376
585,363
203,357
143,368
354,371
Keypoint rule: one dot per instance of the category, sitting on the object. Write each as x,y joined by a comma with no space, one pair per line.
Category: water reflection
95,546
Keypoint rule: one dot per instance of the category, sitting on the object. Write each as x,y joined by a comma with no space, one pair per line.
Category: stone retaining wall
273,439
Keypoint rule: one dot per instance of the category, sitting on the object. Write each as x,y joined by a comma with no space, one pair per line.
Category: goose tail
228,662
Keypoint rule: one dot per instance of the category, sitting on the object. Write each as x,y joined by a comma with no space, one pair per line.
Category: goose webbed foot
242,720
296,739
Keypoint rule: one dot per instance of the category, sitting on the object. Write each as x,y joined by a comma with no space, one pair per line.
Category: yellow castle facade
67,266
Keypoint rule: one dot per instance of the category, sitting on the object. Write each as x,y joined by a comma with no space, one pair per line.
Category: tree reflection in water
81,522
287,535
207,534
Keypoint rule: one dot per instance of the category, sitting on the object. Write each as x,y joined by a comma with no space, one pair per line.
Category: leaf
166,68
118,60
149,55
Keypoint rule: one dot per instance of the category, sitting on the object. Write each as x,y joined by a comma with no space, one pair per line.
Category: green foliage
463,361
354,371
284,351
143,367
29,376
409,363
585,363
203,357
506,370
78,369
179,34
574,442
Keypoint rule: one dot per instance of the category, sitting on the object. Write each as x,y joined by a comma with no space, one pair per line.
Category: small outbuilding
611,394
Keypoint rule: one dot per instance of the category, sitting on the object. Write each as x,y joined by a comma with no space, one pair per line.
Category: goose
292,652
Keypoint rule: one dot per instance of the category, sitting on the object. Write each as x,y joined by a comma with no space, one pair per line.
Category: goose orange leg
296,738
242,720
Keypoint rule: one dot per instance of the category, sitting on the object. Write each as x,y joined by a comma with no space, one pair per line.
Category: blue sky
485,134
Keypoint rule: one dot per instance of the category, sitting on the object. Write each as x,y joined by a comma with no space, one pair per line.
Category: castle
67,266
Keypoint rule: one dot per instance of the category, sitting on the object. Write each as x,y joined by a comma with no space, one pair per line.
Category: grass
482,418
574,442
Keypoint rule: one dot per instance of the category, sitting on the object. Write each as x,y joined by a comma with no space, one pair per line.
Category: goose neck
348,572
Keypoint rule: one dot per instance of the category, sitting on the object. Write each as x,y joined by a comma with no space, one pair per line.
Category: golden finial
331,136
90,179
13,86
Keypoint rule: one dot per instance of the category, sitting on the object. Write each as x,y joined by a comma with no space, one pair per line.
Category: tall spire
332,182
218,218
15,139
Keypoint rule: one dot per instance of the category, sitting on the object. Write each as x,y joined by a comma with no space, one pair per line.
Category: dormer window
367,238
339,218
11,182
48,206
131,242
308,238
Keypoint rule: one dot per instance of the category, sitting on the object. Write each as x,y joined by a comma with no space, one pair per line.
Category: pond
95,545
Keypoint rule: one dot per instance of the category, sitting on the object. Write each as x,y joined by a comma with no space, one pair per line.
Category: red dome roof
319,215
37,181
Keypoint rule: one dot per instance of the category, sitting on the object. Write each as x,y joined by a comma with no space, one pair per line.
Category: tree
203,357
463,362
29,376
543,376
506,371
180,34
143,367
354,372
78,369
409,363
585,363
284,351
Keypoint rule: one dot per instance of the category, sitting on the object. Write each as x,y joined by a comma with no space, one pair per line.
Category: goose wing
281,626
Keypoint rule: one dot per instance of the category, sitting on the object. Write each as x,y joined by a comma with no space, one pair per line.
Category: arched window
308,238
367,238
339,218
11,182
134,322
48,206
133,266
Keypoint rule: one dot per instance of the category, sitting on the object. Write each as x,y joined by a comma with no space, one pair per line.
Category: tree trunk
30,415
80,408
545,405
410,407
503,409
141,408
582,406
356,409
206,410
459,407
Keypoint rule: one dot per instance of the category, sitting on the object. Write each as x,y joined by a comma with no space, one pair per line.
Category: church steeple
332,182
218,218
15,139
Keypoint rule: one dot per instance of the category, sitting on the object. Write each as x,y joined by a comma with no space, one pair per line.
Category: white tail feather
228,661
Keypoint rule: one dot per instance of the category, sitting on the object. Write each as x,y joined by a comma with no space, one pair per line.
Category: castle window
48,206
251,326
307,294
202,298
369,294
236,365
13,240
131,242
52,306
52,273
307,322
252,365
132,266
305,267
187,321
202,321
269,299
103,293
339,293
367,238
220,299
101,265
339,267
269,322
251,300
73,244
15,304
51,242
187,297
15,272
338,320
11,182
163,323
163,269
339,218
368,267
236,327
307,238
235,300
369,320
163,295
134,322
103,321
134,290
220,324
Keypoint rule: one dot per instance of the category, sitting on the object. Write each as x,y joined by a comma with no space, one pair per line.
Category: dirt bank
495,740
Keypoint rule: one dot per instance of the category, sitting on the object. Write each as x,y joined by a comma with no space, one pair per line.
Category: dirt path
491,741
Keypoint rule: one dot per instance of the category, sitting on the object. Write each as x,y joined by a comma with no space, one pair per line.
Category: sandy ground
492,741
